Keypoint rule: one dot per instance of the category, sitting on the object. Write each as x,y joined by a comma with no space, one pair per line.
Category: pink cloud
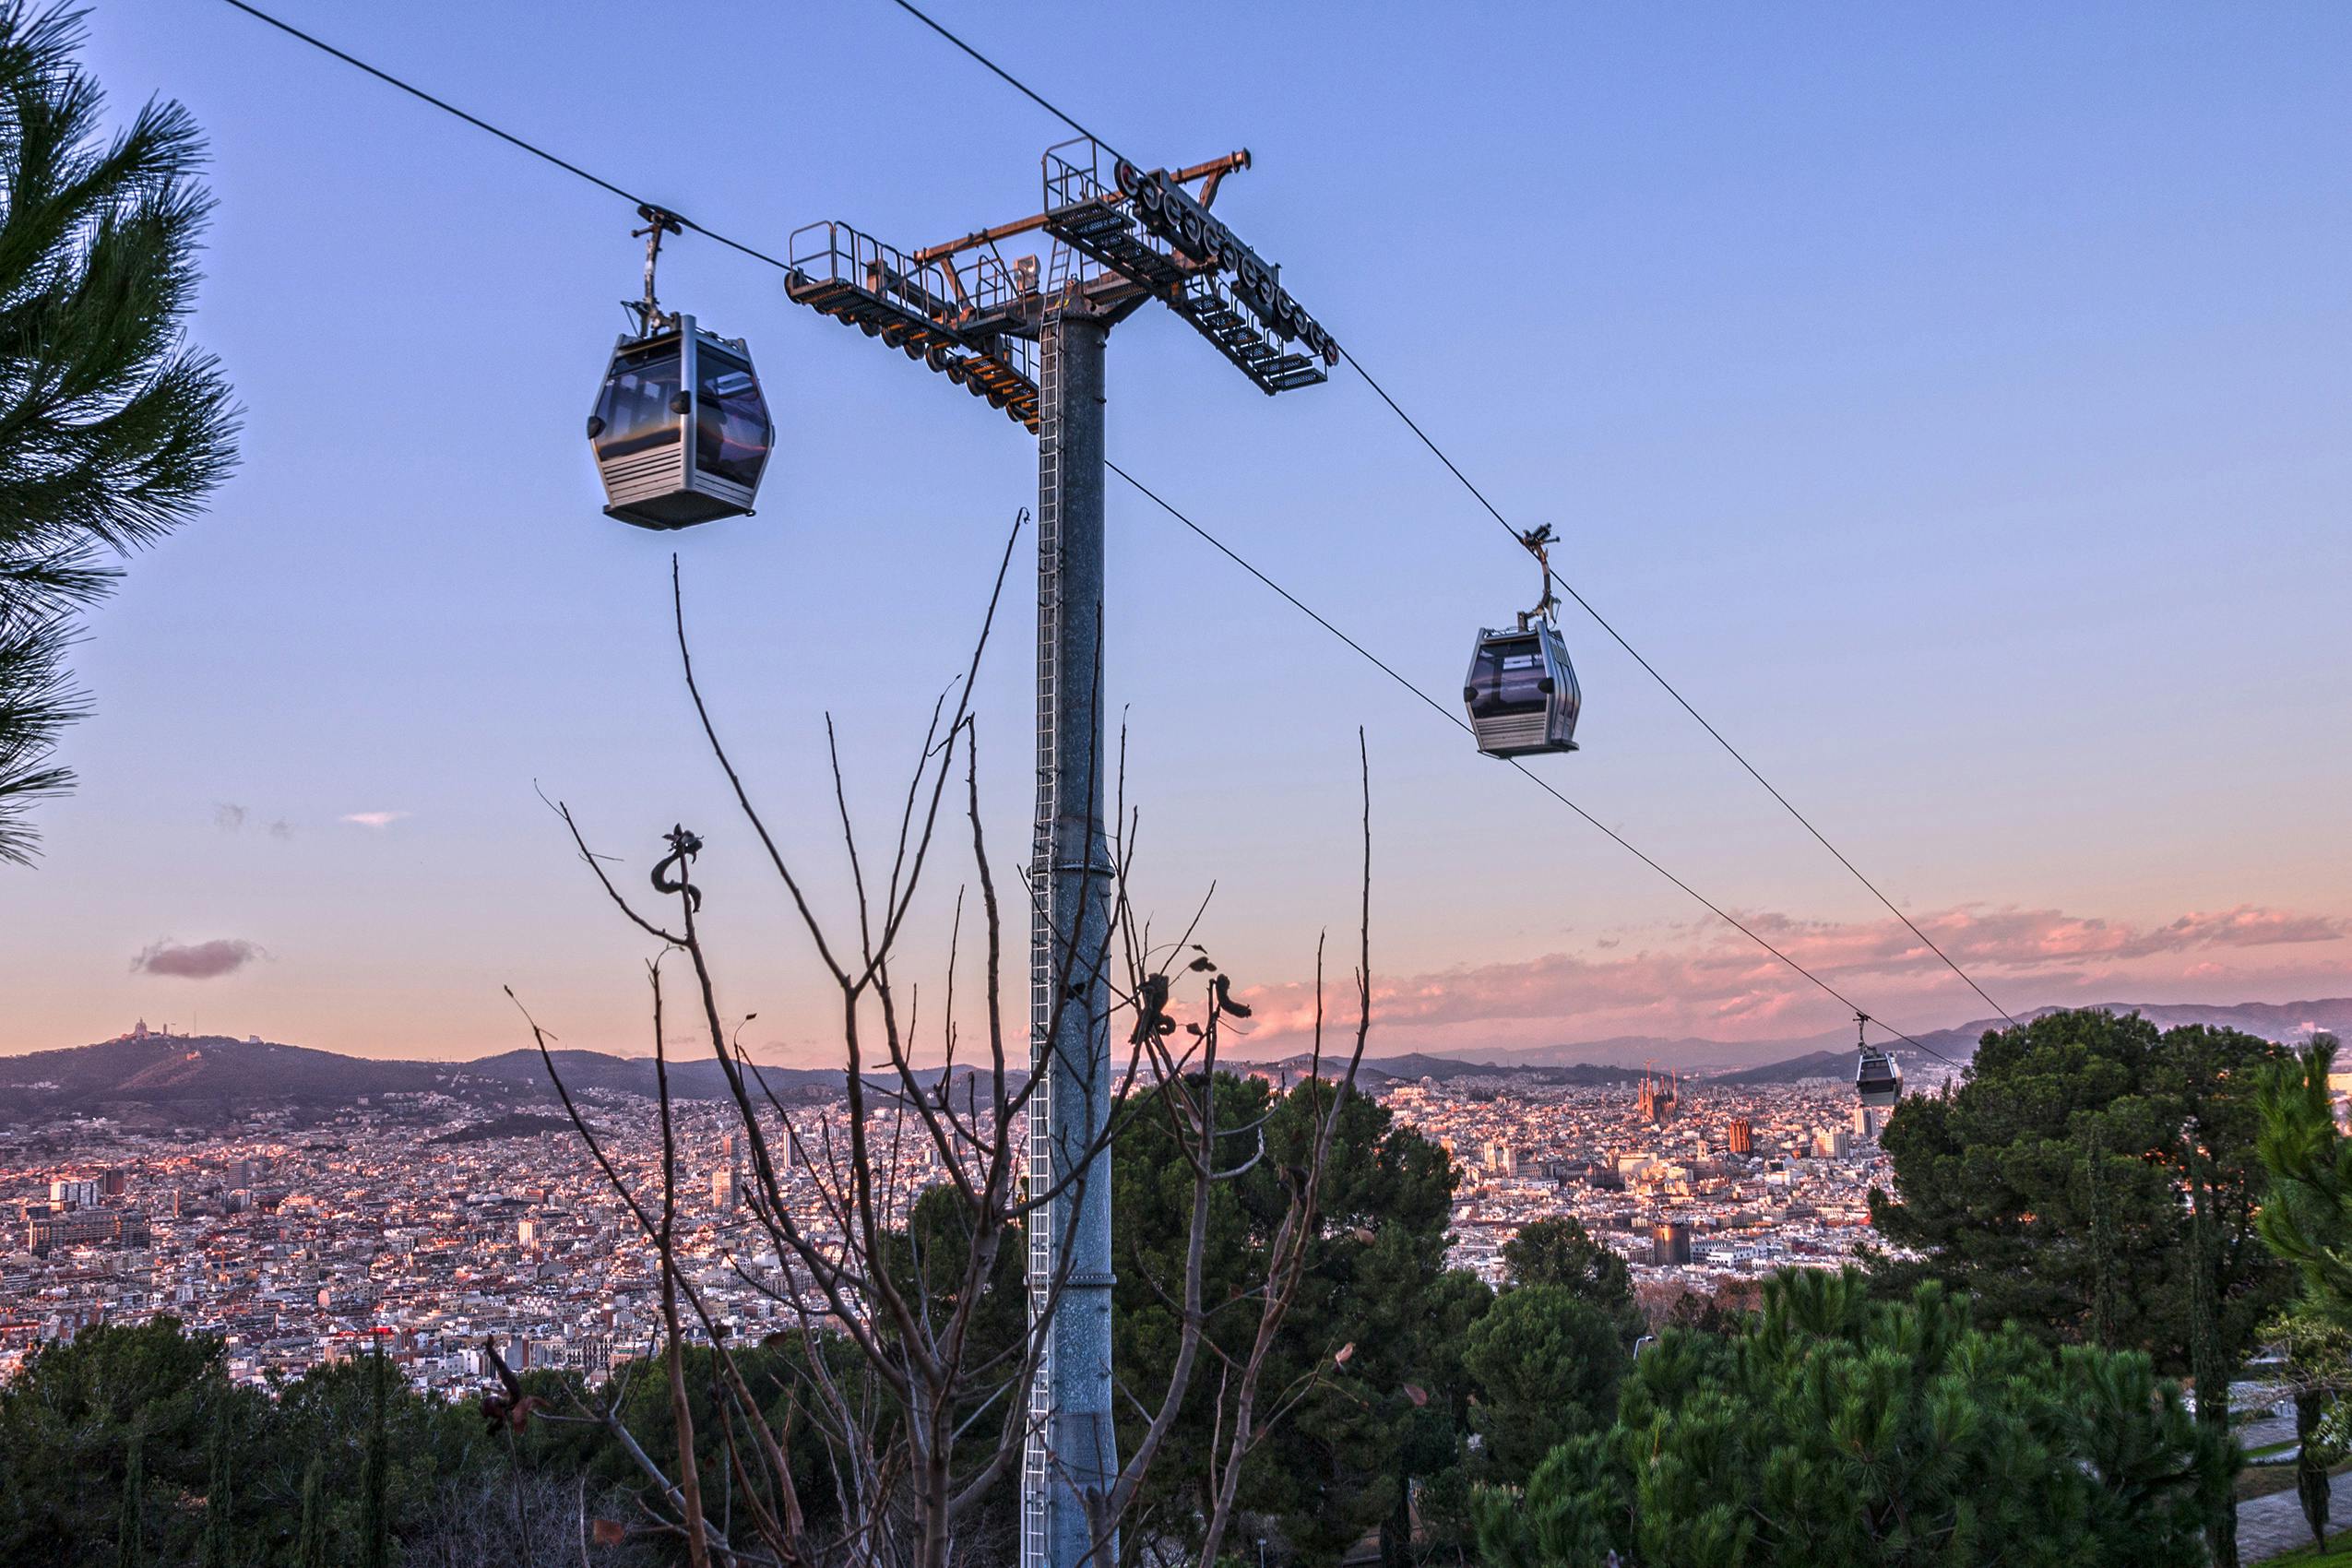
1719,984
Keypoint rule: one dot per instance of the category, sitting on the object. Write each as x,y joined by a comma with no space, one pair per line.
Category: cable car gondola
1521,691
1878,1081
679,430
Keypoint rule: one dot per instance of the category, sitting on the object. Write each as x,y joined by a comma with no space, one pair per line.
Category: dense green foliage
217,1547
773,1371
220,1472
2061,1184
1559,1252
1546,1363
130,1529
2095,1181
1343,1461
1844,1431
111,430
2307,1221
310,1538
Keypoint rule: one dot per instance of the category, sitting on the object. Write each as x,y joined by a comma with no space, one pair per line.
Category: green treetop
111,430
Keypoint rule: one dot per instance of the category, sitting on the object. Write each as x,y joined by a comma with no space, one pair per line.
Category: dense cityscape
434,1220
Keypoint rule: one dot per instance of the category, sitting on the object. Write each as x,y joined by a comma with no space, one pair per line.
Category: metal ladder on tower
1044,1223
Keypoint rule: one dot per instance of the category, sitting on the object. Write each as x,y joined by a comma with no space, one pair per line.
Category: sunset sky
1955,404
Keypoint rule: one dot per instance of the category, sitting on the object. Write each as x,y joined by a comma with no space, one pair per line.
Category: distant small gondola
1878,1081
679,430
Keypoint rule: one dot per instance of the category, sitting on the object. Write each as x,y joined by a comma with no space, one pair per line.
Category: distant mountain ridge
1796,1070
197,1076
2288,1022
2272,1020
1415,1066
212,1073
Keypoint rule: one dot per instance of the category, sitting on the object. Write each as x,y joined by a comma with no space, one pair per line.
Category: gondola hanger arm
658,221
1539,542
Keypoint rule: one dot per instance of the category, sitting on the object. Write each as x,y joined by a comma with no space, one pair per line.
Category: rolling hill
196,1079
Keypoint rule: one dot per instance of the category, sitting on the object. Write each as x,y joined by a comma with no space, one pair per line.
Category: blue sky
1954,403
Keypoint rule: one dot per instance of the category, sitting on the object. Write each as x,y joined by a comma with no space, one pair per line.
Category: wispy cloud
282,828
373,819
1718,984
196,960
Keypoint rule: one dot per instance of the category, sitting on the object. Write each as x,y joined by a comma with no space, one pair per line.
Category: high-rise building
116,1226
1743,1136
726,1188
74,1193
1866,1124
1670,1242
1833,1143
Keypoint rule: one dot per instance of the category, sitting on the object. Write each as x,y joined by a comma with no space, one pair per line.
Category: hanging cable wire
1537,779
1669,687
1212,539
1008,79
507,136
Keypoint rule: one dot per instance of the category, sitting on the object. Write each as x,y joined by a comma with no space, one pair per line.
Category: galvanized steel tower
1030,338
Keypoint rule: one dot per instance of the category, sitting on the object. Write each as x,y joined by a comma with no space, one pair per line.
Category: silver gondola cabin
1521,690
680,431
1878,1081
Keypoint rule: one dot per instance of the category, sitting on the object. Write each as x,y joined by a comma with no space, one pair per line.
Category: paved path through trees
2268,1526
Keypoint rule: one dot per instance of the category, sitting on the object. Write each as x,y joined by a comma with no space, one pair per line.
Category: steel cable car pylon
1521,691
679,430
1026,333
1071,1452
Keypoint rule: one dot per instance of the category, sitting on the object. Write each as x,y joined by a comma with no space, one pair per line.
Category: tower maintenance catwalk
1028,335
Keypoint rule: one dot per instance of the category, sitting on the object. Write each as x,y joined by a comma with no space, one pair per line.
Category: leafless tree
472,1523
912,1369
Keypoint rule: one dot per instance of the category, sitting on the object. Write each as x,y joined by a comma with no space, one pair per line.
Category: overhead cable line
1551,571
1669,687
1155,498
1008,78
507,136
1537,778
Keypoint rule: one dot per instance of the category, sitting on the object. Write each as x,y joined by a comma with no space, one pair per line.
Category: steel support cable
607,186
507,136
1537,779
1669,687
1008,79
1410,424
